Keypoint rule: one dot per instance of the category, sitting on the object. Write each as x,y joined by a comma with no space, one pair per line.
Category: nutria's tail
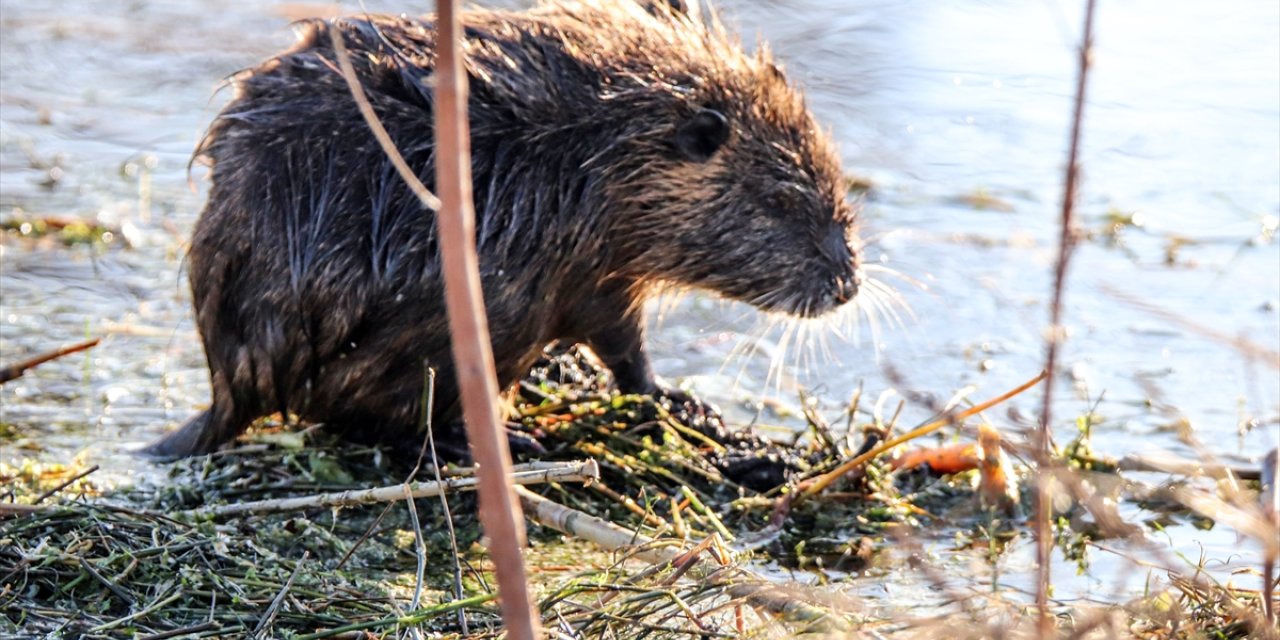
198,436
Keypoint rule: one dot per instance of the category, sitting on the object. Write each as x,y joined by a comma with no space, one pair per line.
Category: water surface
956,111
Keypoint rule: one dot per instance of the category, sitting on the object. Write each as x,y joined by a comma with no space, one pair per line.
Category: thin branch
472,353
1168,463
823,481
472,350
278,601
16,370
428,199
1271,507
429,401
419,552
580,471
1248,348
64,484
407,620
1066,243
173,633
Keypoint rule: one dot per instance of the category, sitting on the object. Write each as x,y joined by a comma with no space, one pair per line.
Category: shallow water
958,113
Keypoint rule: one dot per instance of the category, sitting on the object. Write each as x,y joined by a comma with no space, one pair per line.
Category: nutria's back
616,147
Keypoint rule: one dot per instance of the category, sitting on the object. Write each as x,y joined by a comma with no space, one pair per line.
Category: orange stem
825,480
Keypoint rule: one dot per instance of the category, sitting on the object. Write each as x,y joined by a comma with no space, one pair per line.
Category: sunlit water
957,112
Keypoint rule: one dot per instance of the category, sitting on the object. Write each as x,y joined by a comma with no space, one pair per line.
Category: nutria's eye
704,133
787,199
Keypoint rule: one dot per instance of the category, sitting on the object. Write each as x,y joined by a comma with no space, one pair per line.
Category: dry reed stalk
64,484
472,352
17,369
582,471
1066,243
1271,508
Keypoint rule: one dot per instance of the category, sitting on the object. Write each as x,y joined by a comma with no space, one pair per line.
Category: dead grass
98,562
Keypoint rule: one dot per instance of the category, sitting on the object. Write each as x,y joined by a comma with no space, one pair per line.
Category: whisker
853,321
778,362
824,342
804,347
894,273
792,343
886,311
874,325
891,295
747,346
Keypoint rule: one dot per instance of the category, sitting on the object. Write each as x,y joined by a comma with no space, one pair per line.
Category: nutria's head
732,186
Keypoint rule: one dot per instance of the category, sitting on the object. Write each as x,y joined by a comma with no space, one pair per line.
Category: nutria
617,147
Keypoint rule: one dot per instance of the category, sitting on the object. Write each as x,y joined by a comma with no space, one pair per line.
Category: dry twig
472,353
581,471
1066,243
825,480
17,369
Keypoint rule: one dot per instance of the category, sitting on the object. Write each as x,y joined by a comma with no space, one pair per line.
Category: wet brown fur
617,147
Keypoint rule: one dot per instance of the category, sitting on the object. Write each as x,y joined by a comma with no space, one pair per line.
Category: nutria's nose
838,249
847,287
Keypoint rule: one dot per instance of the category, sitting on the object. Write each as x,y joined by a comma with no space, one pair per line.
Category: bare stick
159,604
1246,347
278,601
15,371
1271,508
1169,463
428,394
580,471
1066,243
420,551
428,199
472,352
365,536
106,582
64,484
429,443
10,509
470,472
173,633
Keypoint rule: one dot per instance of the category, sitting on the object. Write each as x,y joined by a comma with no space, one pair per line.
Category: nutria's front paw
692,410
676,399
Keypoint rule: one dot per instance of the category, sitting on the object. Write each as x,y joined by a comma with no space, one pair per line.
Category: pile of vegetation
704,508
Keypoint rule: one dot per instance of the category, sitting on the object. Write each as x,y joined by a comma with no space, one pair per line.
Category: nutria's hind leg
452,445
200,435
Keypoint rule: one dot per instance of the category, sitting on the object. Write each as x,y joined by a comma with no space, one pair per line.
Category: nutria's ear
704,134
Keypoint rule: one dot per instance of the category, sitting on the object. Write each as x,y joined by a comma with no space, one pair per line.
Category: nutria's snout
828,277
838,290
822,290
846,288
844,276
